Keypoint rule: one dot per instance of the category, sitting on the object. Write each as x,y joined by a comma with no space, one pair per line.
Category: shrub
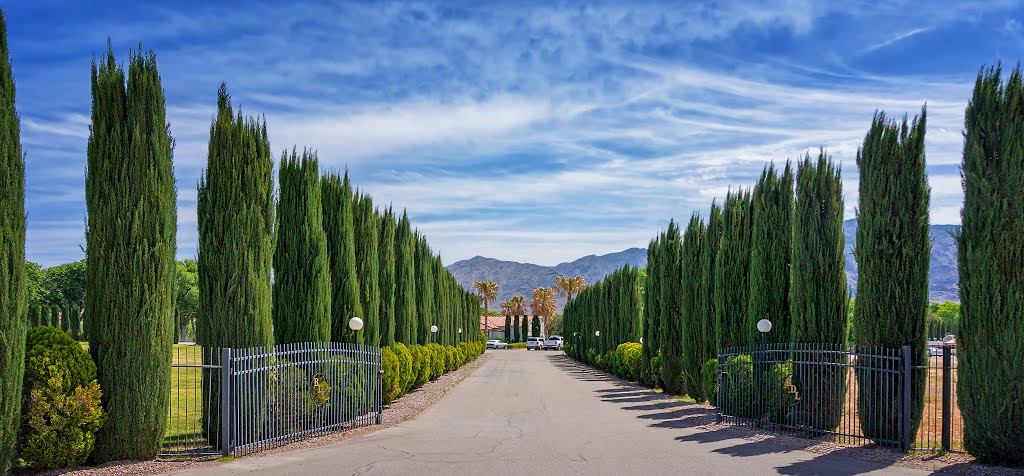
656,368
517,345
451,361
437,357
62,401
392,379
711,381
422,359
629,359
405,369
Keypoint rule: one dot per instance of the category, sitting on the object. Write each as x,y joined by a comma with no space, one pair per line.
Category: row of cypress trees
611,307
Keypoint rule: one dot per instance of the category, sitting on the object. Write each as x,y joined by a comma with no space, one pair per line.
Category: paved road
537,413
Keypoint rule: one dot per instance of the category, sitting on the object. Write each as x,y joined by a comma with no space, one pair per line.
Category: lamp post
460,334
433,330
764,326
355,324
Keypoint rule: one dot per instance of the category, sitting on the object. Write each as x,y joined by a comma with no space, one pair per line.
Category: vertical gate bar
905,400
225,399
947,396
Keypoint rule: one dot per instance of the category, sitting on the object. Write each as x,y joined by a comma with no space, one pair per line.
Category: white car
534,343
553,343
496,344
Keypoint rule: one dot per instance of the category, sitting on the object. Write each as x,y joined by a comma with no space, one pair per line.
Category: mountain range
516,278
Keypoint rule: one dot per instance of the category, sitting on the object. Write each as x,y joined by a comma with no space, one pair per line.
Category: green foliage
405,367
425,315
535,326
367,259
708,256
651,311
692,319
130,271
421,359
64,284
508,328
516,345
186,303
405,283
302,279
732,267
893,250
770,248
34,273
669,279
386,275
392,375
62,410
451,359
711,381
338,203
437,360
818,296
991,342
627,359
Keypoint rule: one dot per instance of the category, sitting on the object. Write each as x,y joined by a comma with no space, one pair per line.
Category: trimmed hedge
410,367
62,411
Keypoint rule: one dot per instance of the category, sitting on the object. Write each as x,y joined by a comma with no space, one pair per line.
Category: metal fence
847,396
273,395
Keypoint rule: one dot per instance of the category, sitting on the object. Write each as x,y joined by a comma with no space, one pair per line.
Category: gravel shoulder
403,409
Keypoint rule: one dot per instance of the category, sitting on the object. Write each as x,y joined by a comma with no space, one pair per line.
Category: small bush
711,381
62,401
628,357
656,367
437,361
423,369
451,361
392,379
405,369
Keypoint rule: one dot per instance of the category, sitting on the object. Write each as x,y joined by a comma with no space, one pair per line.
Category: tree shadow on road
663,411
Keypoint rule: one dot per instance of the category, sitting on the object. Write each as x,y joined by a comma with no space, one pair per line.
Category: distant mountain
521,278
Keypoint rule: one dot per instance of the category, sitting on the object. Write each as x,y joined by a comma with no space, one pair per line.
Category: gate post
906,439
947,395
225,401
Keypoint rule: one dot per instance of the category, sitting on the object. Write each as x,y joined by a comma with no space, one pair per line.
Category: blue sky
535,132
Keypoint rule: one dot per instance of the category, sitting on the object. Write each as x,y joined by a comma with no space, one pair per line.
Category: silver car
496,344
534,343
553,343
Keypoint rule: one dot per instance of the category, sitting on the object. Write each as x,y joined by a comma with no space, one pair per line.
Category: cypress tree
670,276
235,207
708,255
386,273
692,319
893,250
405,283
130,280
991,341
424,290
54,319
302,278
772,216
535,326
76,323
818,298
515,325
367,259
525,324
13,308
651,309
339,219
508,328
732,267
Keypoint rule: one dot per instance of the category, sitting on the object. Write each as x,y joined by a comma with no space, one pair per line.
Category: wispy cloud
511,131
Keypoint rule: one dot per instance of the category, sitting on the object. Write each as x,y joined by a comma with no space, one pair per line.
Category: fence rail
848,396
237,401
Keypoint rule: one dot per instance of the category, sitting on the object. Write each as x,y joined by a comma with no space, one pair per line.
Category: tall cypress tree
893,250
652,308
818,297
405,283
670,327
424,290
367,259
772,216
708,255
13,309
236,232
386,273
991,265
302,278
732,268
130,280
692,319
339,226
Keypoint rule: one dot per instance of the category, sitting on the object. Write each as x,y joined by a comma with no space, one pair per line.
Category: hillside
521,278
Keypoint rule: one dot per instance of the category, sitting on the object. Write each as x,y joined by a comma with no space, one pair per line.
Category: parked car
534,343
496,344
553,343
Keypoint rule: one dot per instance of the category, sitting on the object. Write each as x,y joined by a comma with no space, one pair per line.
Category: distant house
496,327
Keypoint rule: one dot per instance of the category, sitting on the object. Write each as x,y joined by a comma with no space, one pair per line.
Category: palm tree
543,304
569,286
486,292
